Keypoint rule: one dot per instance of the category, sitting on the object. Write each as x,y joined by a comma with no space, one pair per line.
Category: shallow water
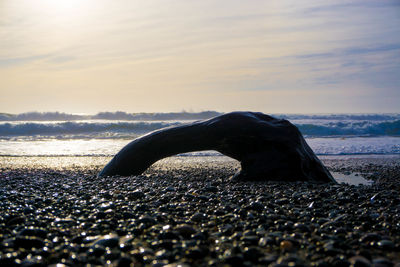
351,178
108,147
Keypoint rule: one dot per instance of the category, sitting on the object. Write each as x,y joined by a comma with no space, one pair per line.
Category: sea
104,134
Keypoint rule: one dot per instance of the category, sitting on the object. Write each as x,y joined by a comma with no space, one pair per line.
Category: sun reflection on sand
53,162
181,162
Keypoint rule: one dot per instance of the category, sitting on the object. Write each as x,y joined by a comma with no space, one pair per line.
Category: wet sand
184,210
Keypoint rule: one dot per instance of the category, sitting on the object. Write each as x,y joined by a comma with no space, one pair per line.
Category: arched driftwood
267,148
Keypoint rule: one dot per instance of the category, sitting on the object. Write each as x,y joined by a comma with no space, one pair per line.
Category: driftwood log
267,148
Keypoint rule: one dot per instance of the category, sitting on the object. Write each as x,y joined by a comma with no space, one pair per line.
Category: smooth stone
359,261
39,232
234,260
28,242
286,245
146,219
382,262
136,195
124,262
369,237
257,206
110,241
185,230
97,251
385,244
212,189
16,220
198,217
252,254
289,260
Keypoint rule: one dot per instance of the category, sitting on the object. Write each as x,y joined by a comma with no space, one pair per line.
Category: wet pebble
107,241
28,242
136,195
193,216
185,230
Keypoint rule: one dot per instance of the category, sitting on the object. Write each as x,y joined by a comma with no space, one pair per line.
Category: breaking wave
352,128
128,129
81,130
120,115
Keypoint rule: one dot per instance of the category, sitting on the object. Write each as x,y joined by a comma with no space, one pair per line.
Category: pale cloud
91,56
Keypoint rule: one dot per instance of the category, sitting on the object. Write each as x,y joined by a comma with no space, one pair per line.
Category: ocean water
104,134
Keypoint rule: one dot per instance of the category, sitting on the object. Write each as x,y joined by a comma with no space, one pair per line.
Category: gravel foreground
186,212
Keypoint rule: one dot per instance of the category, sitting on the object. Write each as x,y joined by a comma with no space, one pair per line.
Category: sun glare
63,6
58,22
63,9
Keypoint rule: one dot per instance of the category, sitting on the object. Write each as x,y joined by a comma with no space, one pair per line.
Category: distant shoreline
183,115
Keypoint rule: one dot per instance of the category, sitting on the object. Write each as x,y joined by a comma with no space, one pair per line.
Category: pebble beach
55,211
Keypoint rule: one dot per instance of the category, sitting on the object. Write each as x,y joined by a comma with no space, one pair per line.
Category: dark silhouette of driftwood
267,148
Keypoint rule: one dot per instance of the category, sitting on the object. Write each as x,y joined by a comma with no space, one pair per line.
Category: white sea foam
128,129
108,147
103,134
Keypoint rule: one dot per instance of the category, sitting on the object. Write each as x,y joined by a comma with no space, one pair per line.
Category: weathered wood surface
267,148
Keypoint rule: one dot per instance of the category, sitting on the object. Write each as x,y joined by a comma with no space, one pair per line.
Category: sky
309,56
